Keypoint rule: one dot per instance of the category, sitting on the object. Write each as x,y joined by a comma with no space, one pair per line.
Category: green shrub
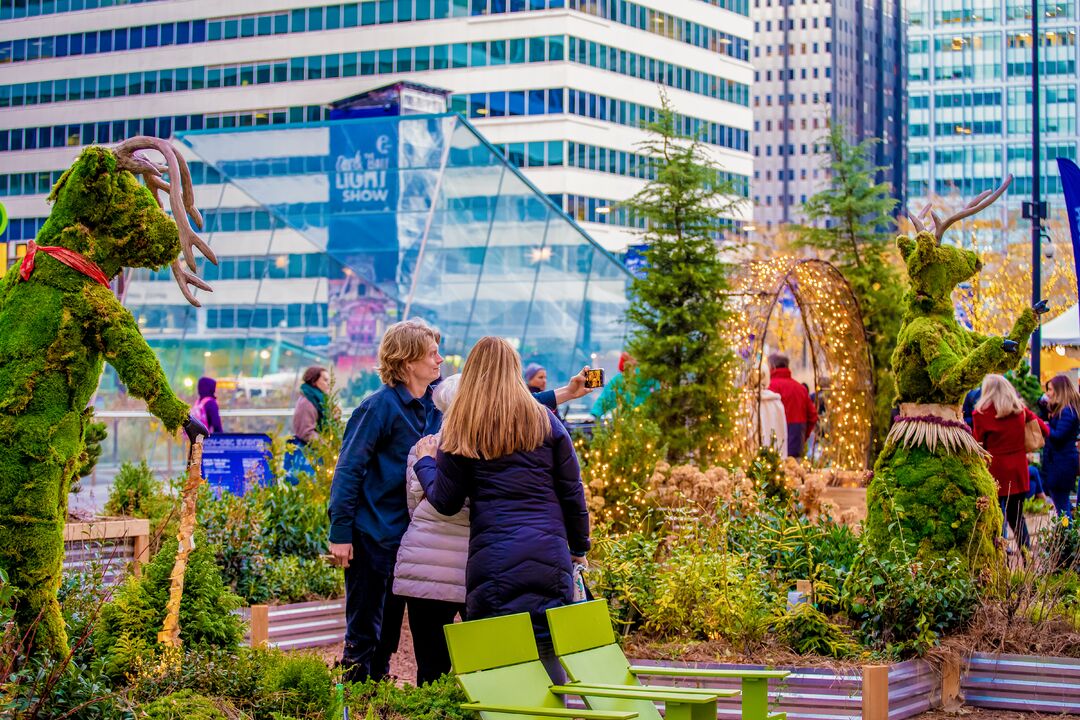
904,604
438,700
185,705
269,542
43,688
136,492
808,631
297,685
622,569
129,624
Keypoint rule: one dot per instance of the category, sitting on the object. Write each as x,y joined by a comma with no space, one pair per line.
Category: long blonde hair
998,392
493,413
1065,395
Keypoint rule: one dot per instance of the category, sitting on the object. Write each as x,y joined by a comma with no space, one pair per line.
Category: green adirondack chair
585,644
498,666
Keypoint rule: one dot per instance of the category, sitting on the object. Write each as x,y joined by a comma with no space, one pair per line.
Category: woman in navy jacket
515,463
1061,461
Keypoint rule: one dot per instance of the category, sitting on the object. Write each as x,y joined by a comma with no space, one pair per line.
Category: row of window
242,317
256,267
114,131
671,27
373,62
600,159
978,56
625,62
315,67
347,15
953,12
17,9
578,102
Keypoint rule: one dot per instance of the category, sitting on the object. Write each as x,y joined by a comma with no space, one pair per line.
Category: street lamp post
1036,181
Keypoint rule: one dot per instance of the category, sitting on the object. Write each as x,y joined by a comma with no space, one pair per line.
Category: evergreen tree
678,309
851,226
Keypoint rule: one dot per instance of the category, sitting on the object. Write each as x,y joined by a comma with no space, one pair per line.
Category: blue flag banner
1070,185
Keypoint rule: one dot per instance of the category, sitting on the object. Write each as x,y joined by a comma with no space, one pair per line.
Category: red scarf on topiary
72,259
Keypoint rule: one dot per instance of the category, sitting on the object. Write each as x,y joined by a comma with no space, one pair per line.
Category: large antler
982,201
181,202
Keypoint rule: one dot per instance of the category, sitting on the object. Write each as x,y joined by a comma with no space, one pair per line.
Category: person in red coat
799,409
999,419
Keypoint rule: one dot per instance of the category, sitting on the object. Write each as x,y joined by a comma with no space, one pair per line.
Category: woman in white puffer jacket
430,569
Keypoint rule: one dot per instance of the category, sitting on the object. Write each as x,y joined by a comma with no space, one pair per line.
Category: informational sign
233,462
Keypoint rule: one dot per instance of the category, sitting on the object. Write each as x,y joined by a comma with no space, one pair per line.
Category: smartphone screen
594,378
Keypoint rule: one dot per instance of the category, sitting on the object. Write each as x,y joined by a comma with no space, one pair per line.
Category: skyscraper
818,62
560,85
969,78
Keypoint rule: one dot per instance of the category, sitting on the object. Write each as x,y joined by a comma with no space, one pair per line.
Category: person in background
799,409
206,408
772,417
430,570
368,510
1000,418
515,464
618,386
536,378
309,416
1060,457
968,408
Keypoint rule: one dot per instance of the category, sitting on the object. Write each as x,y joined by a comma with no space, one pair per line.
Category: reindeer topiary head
101,211
936,269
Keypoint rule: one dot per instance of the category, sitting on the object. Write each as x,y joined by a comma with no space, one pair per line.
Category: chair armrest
629,692
659,689
706,672
568,713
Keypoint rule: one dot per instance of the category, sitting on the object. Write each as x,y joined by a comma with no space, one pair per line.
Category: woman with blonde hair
514,462
1000,418
1061,462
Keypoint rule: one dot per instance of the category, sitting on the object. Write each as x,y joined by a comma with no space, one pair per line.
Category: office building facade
969,76
818,62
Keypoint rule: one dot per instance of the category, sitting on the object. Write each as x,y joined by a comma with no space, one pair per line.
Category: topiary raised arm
59,323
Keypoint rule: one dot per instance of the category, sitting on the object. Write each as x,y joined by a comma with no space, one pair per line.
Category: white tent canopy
1064,329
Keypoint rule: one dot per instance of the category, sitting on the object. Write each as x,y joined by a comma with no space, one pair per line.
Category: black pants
1014,515
426,620
373,613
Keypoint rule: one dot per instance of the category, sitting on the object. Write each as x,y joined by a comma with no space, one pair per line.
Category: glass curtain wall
328,232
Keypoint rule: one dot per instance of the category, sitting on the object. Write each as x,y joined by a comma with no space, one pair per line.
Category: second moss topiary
941,499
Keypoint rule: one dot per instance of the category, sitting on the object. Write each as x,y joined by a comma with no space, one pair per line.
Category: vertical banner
1070,185
362,235
364,199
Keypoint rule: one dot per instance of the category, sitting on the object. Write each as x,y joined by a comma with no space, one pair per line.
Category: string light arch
831,323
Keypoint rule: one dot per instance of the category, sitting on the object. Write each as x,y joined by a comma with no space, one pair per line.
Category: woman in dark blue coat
1061,461
515,463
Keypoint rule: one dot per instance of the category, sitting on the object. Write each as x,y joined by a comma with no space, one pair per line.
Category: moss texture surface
942,503
56,331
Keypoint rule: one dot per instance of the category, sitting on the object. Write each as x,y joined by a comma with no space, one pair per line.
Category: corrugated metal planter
112,545
297,625
870,692
1022,682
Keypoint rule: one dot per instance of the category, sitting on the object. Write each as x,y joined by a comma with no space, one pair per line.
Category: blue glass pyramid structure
360,223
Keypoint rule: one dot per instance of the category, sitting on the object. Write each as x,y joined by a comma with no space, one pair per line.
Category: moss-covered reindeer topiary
931,486
59,321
